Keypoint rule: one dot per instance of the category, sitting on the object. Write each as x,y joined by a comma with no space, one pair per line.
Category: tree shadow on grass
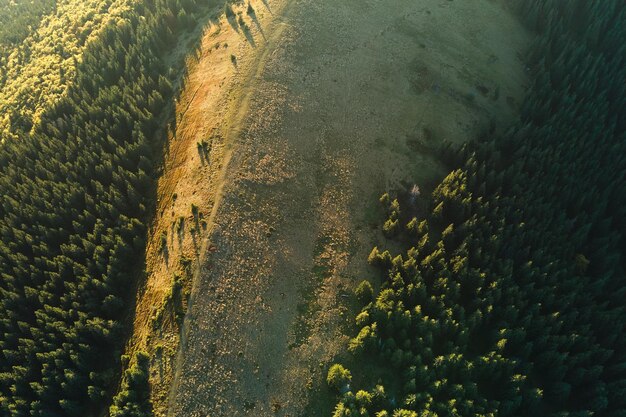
255,19
233,24
248,34
267,6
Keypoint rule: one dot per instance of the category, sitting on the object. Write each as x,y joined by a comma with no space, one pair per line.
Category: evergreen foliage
510,298
18,18
41,61
76,193
134,398
338,377
364,292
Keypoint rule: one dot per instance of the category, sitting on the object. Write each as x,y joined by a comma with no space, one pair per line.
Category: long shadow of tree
255,19
267,6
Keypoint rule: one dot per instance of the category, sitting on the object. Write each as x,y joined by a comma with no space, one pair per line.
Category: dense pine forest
76,193
17,20
509,300
41,45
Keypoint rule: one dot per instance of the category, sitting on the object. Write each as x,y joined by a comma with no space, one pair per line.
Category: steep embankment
330,103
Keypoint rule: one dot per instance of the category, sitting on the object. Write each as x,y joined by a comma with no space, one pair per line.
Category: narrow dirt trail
339,101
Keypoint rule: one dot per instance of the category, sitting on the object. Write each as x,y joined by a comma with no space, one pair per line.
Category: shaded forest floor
283,140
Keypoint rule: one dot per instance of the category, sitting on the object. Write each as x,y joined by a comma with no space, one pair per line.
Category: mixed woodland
508,299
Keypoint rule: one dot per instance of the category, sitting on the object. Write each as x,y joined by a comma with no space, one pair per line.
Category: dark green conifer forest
18,18
134,398
76,194
509,300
